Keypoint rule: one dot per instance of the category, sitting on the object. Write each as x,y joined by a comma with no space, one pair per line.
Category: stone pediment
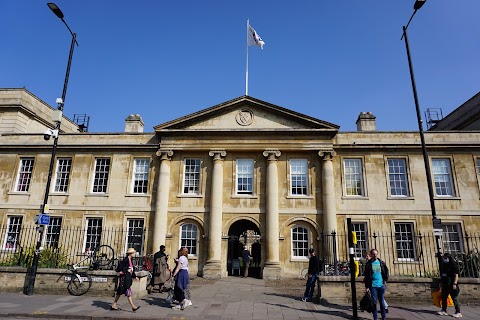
246,114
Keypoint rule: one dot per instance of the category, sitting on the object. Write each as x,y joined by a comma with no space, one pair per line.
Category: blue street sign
44,219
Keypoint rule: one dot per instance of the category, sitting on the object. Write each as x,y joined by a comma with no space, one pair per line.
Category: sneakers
188,303
305,299
177,307
442,313
457,315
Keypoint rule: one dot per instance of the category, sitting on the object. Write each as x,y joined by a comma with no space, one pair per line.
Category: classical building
242,172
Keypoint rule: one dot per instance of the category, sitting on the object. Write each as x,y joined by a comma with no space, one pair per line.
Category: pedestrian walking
367,258
182,280
126,274
160,268
312,276
449,285
246,261
376,277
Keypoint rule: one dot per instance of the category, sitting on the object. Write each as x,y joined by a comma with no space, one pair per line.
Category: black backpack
366,303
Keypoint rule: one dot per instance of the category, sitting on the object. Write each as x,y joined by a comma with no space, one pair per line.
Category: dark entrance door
241,233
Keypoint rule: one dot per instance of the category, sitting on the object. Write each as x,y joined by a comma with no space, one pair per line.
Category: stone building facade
243,171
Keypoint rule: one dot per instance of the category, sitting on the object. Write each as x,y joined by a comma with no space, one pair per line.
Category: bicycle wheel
103,256
78,286
304,273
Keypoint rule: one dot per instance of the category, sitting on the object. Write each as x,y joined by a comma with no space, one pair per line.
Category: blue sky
165,59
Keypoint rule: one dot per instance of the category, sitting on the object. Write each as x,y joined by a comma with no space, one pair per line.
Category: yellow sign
357,267
354,237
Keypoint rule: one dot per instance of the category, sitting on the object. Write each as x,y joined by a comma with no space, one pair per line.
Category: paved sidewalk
229,298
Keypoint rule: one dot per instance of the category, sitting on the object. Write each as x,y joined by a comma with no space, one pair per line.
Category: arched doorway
241,233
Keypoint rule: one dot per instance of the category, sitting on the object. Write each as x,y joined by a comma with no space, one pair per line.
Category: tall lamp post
58,120
437,224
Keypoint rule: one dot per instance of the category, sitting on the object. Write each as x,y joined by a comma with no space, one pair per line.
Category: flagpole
246,74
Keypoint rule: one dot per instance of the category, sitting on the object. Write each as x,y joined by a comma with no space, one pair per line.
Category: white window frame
52,234
101,175
397,177
295,241
362,246
25,171
134,224
141,169
477,165
96,235
406,237
14,227
191,235
62,175
299,173
195,188
439,177
452,236
245,172
357,174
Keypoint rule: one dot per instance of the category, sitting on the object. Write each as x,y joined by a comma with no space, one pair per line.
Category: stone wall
52,281
401,289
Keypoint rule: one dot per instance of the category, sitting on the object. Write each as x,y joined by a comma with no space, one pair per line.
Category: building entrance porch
244,233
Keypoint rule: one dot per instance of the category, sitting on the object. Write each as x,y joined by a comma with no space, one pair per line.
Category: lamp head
57,10
418,4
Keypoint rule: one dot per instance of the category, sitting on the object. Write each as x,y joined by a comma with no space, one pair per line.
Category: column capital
272,154
327,154
217,154
164,154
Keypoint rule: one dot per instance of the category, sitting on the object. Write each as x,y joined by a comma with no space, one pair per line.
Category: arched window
188,237
300,242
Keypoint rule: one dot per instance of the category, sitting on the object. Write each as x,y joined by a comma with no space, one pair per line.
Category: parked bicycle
468,264
341,269
79,280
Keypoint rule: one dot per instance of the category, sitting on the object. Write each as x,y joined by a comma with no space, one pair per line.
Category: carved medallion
244,117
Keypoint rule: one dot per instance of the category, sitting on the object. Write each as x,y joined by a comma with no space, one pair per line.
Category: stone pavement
228,298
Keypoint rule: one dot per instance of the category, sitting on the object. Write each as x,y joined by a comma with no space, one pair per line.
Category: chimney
134,123
366,122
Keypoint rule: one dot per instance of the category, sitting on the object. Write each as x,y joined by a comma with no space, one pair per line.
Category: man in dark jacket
449,280
312,276
158,273
376,276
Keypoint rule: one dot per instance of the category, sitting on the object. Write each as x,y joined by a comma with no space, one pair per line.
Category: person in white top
182,280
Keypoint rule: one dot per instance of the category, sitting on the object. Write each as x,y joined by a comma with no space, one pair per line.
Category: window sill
299,259
244,196
140,195
16,193
406,262
355,198
400,198
59,194
301,197
446,198
96,194
192,257
187,195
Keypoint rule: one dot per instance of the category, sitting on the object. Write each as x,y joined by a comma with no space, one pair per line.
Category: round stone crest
244,117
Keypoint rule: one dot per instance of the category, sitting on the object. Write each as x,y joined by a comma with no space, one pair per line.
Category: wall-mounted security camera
50,133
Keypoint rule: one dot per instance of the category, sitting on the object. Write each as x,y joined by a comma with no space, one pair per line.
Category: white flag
254,38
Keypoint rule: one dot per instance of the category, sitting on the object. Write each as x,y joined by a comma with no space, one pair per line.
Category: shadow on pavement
159,302
339,313
101,304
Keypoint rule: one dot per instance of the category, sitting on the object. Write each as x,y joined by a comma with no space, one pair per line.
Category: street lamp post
437,224
61,101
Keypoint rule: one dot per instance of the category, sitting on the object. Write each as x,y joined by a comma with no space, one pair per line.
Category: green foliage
49,258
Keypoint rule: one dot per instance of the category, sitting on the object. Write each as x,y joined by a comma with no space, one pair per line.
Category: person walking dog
376,276
125,268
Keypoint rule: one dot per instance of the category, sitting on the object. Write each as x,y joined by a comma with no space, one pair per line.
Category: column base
212,270
272,271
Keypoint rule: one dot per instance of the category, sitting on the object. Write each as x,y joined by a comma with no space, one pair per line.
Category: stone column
213,266
272,269
329,203
161,203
